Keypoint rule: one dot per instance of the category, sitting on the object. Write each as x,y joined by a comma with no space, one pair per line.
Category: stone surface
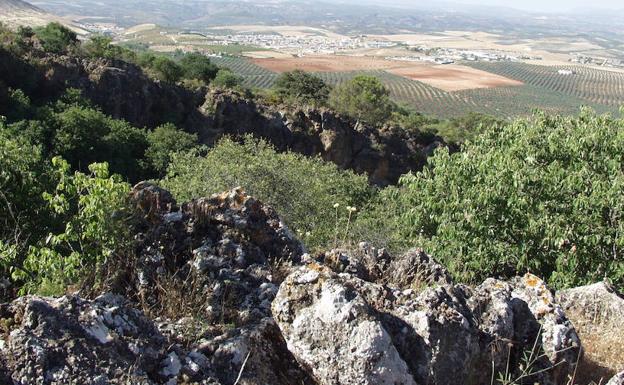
347,330
597,312
74,341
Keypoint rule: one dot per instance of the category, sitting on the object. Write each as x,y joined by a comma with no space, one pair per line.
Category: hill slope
14,13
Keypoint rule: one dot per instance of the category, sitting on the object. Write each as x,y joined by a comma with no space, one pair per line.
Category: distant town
313,44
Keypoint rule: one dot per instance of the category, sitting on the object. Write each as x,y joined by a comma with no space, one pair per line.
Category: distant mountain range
345,16
17,12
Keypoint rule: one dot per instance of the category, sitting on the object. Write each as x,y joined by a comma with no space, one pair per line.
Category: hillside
161,224
14,13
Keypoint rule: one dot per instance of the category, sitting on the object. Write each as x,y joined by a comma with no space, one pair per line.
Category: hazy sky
549,5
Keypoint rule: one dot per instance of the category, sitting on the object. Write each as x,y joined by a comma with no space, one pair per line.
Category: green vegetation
227,79
199,67
301,88
56,38
542,195
164,141
364,98
101,47
302,190
92,208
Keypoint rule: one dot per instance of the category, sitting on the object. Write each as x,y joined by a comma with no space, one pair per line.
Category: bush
23,216
166,69
163,141
466,127
302,190
198,66
93,209
56,38
84,135
544,195
364,98
21,185
299,87
226,79
101,46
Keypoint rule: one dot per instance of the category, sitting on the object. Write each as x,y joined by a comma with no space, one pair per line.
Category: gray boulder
74,341
597,312
346,330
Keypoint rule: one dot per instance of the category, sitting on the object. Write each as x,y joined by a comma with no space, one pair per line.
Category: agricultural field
588,84
502,100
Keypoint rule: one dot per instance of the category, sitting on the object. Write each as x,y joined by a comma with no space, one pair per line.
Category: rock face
192,306
384,154
597,312
123,91
350,331
73,341
217,260
218,292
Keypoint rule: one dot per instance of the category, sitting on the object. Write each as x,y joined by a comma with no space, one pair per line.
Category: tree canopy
364,98
542,195
55,37
300,87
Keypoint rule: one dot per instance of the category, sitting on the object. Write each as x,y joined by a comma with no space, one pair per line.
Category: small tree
364,98
163,141
198,66
544,195
226,79
93,208
166,69
301,87
56,38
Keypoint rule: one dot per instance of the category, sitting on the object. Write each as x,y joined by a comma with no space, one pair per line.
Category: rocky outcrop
190,305
124,91
218,291
73,341
347,330
382,153
597,312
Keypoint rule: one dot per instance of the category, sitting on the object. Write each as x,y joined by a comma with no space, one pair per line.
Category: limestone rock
70,340
597,312
346,330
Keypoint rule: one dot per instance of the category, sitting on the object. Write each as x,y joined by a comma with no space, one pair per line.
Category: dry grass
604,353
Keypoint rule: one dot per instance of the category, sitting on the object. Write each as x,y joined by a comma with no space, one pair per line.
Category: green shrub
56,38
302,190
299,87
84,135
466,127
226,79
100,46
364,98
163,141
93,209
166,69
544,195
23,216
21,185
198,66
